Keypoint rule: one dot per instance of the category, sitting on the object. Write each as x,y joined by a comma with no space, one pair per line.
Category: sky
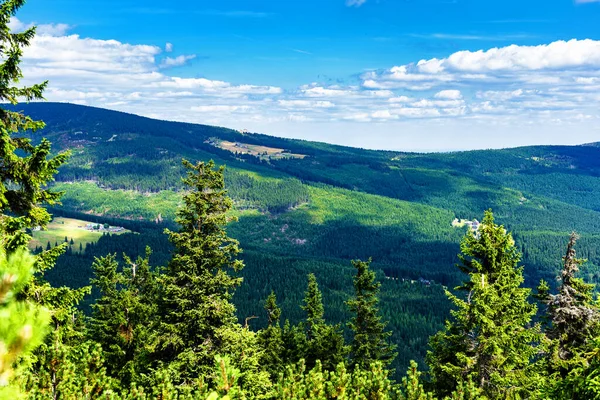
415,75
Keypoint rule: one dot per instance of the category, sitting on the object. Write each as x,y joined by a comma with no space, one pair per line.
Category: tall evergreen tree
573,317
26,168
324,342
195,305
488,340
270,339
370,341
572,313
122,314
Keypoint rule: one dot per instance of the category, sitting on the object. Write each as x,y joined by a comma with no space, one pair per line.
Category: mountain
312,207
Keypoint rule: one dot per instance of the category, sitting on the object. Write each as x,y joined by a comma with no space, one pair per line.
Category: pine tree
196,303
572,312
323,342
123,312
573,318
370,341
488,340
270,339
26,168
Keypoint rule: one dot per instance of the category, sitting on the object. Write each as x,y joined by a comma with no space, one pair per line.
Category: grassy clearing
70,228
256,150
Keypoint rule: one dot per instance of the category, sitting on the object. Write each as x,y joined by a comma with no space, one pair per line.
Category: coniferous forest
337,275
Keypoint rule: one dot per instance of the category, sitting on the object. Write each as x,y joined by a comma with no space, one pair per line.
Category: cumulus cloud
169,62
449,94
556,83
525,63
17,25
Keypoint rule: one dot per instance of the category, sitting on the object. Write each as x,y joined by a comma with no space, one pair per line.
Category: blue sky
395,74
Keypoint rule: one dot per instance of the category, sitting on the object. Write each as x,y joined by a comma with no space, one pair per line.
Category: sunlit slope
333,201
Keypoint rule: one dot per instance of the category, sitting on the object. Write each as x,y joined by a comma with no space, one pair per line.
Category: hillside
311,207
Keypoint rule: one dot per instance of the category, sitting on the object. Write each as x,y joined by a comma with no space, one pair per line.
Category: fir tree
488,339
323,342
196,303
370,341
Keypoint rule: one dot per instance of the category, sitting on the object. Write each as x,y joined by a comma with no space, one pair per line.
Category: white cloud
355,3
169,62
449,94
534,64
219,108
168,47
515,86
306,104
400,99
319,91
17,25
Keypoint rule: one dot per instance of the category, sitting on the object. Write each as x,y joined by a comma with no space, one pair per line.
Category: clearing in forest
76,230
264,152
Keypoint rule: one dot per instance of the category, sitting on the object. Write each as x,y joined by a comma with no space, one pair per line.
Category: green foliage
270,339
122,314
370,341
339,383
573,317
488,339
197,316
26,168
323,342
23,324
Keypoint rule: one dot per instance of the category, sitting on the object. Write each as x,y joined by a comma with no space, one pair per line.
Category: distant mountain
306,206
595,144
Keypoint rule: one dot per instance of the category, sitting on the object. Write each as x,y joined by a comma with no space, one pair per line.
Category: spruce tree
195,304
370,341
26,168
572,313
324,342
488,340
573,317
122,313
270,339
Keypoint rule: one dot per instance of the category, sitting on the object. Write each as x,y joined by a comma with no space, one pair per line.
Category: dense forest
324,275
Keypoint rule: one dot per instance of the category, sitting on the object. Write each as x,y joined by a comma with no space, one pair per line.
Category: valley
297,215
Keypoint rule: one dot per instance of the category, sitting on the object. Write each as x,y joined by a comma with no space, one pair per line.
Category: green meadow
70,229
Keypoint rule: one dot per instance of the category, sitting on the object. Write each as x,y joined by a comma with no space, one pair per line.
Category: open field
70,228
256,150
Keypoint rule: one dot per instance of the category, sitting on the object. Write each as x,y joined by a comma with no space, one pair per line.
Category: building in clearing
473,225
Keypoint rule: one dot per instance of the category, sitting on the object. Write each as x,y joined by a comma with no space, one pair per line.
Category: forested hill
312,207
